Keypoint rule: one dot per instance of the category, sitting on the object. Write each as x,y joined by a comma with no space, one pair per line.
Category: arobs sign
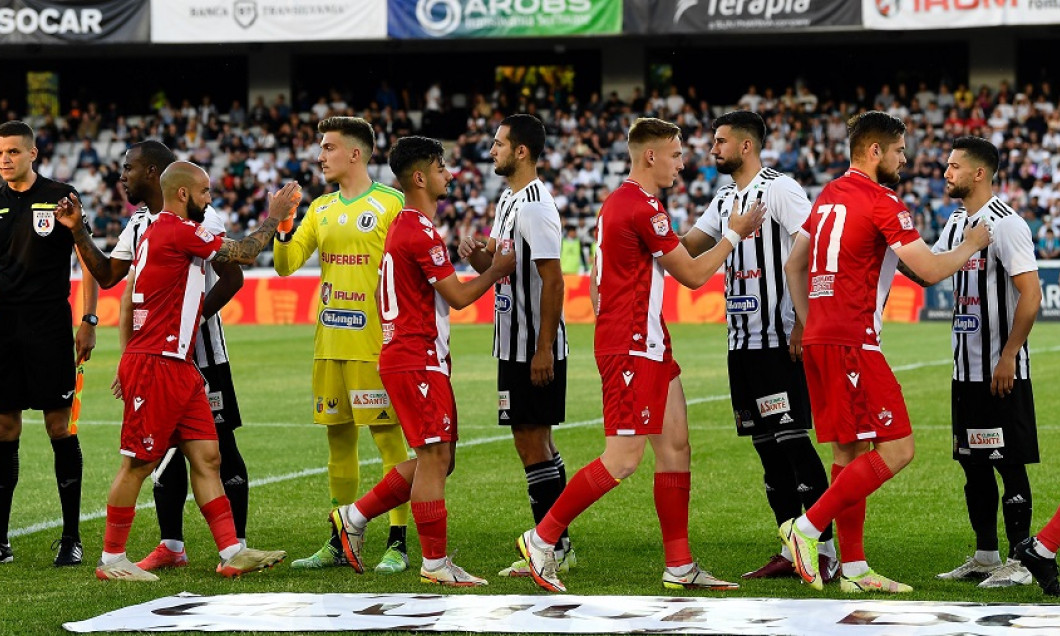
949,14
189,21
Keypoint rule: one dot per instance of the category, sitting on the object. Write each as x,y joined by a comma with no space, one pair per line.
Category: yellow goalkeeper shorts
347,391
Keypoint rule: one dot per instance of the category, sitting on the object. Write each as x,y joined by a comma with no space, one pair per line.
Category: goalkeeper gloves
286,227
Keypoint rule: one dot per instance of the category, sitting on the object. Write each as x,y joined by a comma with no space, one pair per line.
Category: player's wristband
733,237
284,237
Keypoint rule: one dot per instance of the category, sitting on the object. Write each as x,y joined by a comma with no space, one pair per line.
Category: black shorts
520,402
222,396
36,357
768,392
988,429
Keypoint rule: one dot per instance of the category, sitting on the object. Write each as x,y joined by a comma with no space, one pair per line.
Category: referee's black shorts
988,429
222,396
36,357
768,391
520,402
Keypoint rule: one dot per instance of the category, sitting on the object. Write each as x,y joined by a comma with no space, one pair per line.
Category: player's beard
195,212
887,177
957,191
728,166
505,169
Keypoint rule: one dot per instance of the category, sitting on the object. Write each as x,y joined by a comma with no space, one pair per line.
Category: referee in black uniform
37,363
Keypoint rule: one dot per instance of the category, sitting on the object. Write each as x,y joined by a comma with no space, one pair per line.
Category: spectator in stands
87,155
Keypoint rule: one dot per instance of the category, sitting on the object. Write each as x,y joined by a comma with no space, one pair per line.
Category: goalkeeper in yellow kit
349,228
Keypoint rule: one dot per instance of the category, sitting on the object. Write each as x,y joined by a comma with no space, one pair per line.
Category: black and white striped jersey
530,221
757,302
210,347
983,292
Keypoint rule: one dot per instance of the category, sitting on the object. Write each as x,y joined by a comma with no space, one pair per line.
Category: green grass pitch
917,525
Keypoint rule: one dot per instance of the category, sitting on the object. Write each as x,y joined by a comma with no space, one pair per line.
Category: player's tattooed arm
246,250
911,275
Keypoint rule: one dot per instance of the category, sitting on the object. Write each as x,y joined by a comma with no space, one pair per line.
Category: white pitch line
102,513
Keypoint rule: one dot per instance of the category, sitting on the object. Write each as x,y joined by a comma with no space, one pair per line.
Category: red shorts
425,406
165,403
854,395
635,390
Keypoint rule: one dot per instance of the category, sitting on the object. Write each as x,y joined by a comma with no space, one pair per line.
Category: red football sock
851,487
119,522
218,515
586,487
850,527
672,492
431,518
1049,536
389,493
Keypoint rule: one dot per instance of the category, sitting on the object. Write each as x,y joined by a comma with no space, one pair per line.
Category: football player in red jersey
839,273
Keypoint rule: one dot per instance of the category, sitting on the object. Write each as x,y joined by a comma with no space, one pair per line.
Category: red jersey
853,229
633,230
170,285
415,317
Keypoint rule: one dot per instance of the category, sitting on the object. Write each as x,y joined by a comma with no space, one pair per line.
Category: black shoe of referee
70,551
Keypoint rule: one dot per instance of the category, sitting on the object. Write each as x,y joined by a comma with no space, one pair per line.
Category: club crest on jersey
905,220
502,304
203,234
43,222
661,224
742,304
438,255
388,332
343,218
966,323
325,293
366,222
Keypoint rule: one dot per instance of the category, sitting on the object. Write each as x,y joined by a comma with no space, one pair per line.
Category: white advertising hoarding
902,15
219,21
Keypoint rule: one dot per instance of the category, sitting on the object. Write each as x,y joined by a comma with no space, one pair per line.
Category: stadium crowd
249,151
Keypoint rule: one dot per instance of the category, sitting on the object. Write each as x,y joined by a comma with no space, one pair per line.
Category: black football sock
170,493
543,487
68,469
781,491
980,495
1016,504
235,480
557,460
810,478
8,480
397,536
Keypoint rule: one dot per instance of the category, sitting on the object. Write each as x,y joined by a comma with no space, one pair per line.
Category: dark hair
353,127
745,121
413,153
155,153
980,150
526,130
15,128
646,129
872,127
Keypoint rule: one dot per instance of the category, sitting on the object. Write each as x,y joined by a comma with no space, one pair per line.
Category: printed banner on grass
419,19
209,21
554,614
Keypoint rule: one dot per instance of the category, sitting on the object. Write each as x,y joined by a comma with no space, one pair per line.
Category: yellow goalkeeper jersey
350,236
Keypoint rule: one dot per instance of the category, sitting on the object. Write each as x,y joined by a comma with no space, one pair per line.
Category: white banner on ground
571,614
190,21
952,14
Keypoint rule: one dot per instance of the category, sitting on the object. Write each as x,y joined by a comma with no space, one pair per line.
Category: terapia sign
948,14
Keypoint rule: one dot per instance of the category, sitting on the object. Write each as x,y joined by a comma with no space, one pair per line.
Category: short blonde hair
648,129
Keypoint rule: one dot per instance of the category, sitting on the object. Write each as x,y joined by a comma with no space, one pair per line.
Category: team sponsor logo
742,304
661,224
773,404
245,12
43,222
888,8
507,245
986,438
504,400
139,317
439,18
974,264
203,234
965,300
49,21
331,258
325,293
366,222
502,303
965,324
746,274
905,220
822,285
438,255
388,332
996,455
218,419
369,399
343,319
217,400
